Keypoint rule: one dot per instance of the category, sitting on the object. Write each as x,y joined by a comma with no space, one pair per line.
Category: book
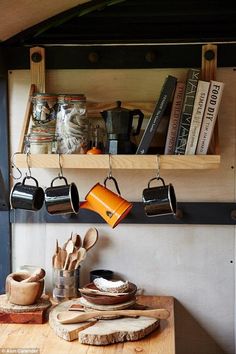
174,119
165,96
197,116
210,115
187,110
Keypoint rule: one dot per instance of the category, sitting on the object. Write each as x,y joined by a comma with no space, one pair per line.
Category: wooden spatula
69,317
69,250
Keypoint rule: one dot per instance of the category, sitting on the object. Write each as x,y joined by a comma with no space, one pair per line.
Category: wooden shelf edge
143,162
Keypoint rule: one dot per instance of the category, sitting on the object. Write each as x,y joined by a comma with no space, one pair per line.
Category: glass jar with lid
44,108
39,143
72,124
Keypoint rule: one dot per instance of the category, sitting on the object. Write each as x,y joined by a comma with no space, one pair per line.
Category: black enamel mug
159,200
26,196
62,199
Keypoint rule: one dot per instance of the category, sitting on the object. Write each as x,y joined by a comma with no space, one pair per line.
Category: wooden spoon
69,250
73,259
81,255
90,238
57,247
77,240
58,261
38,274
63,254
70,317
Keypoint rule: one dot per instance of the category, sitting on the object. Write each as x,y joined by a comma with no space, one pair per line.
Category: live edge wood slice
43,337
36,313
107,331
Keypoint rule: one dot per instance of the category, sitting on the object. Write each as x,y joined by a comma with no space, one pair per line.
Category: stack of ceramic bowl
93,298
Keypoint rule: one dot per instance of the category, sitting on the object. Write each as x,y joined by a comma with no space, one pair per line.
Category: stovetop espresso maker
119,121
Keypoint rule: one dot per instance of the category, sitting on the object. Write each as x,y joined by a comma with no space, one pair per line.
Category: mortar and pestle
23,288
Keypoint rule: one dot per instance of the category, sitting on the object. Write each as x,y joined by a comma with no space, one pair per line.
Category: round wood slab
124,329
101,332
6,306
68,332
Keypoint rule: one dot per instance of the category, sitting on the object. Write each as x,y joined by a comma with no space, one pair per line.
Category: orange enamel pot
109,205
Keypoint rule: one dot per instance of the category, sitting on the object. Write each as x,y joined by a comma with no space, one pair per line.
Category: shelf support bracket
37,68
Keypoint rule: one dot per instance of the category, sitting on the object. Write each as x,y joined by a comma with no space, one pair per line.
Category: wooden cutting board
118,330
68,332
36,313
101,332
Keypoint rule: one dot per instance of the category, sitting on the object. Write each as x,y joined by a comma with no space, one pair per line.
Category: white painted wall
191,263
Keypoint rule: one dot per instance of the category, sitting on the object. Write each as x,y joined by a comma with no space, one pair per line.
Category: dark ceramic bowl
109,300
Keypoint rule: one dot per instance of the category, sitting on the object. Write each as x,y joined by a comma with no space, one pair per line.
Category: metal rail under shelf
192,213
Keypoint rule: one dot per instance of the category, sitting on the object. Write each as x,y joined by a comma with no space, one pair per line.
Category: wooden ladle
90,238
68,317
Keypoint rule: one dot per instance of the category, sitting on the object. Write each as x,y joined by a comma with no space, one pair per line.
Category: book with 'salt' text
154,121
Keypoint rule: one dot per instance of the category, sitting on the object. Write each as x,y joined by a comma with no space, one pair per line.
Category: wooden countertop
42,337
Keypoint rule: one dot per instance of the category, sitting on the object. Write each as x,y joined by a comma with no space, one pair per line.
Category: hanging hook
28,164
158,166
110,177
60,174
13,165
110,168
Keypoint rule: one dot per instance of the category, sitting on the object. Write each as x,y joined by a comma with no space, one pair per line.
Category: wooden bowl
109,300
19,293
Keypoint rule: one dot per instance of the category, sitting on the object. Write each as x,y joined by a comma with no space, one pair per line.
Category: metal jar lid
71,98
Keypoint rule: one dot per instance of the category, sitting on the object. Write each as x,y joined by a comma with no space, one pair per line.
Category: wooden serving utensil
67,317
63,255
73,259
69,250
76,239
90,238
81,255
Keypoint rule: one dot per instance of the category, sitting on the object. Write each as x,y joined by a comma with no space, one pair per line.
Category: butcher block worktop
42,337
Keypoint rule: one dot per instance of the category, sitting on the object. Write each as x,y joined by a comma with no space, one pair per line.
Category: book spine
209,118
165,96
197,116
174,119
187,110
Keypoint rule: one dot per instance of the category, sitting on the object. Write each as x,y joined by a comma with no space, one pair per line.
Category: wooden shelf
126,162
